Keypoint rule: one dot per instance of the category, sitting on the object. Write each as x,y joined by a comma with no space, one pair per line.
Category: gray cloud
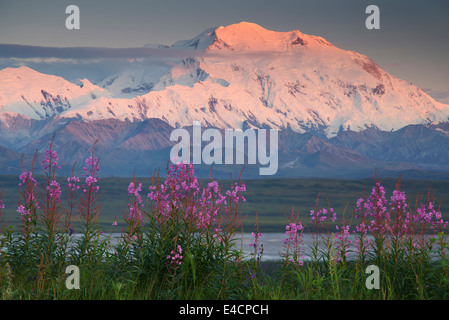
442,96
27,52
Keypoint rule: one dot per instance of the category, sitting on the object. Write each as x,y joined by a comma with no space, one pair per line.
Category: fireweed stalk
389,225
51,204
89,209
131,241
2,225
293,252
438,227
402,233
321,219
380,223
72,188
28,202
342,240
2,206
135,216
362,242
401,217
376,221
28,246
428,219
27,208
258,249
257,253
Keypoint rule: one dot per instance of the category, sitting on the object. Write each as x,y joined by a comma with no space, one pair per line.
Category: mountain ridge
323,87
338,107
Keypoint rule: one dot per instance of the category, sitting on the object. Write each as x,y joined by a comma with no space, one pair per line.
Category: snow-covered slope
249,76
136,77
240,76
200,42
29,93
247,36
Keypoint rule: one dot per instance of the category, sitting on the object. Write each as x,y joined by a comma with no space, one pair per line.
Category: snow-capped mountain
237,76
250,76
246,76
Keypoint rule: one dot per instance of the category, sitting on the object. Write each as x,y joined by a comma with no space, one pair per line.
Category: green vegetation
179,242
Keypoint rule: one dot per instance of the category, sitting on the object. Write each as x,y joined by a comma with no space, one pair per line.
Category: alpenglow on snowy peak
247,36
237,76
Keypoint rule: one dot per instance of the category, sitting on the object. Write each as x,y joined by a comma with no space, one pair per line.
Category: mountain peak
248,36
19,71
200,42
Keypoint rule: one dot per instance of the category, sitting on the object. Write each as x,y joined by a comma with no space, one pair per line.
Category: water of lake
272,245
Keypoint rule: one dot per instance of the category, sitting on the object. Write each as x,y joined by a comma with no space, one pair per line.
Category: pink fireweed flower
180,184
27,177
423,216
135,206
293,242
133,190
429,215
208,206
24,213
213,185
398,200
92,165
54,190
71,183
2,205
321,215
375,219
291,231
438,224
343,242
175,257
50,160
256,238
180,196
29,183
361,228
399,209
380,224
374,208
234,194
361,211
89,185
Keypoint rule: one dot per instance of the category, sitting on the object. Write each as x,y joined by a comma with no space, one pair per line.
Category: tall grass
179,241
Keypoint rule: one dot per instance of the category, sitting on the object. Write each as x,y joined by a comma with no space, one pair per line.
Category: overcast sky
412,43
